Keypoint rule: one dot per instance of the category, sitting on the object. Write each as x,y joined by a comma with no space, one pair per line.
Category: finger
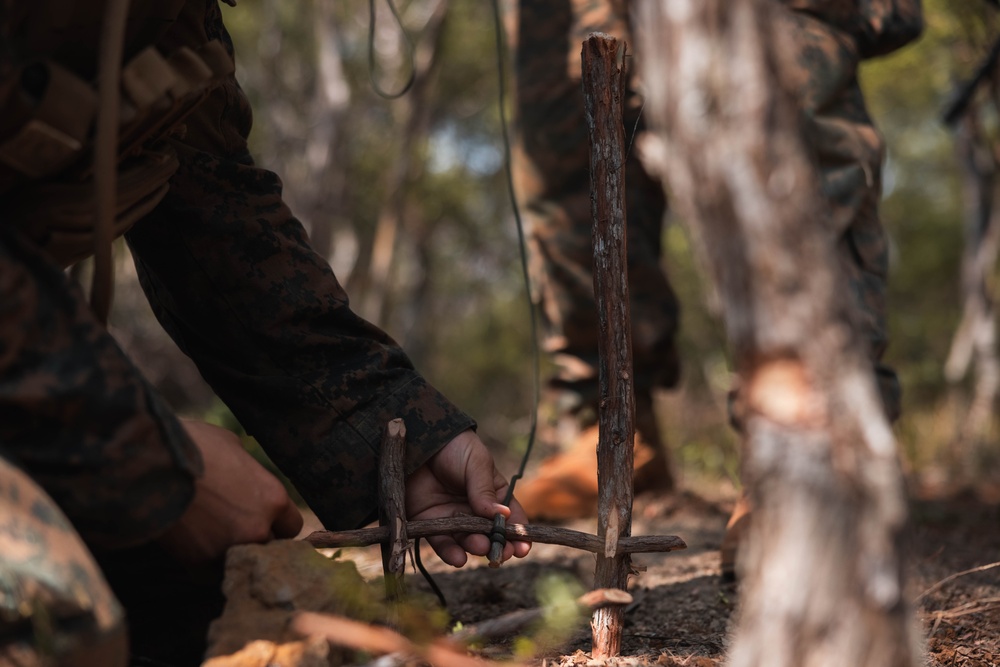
476,544
448,550
518,515
520,549
514,549
289,521
479,482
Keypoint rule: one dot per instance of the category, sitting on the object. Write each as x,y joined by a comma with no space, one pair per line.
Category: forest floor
683,612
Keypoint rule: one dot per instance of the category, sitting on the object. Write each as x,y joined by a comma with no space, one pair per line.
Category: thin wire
427,575
410,50
635,128
106,155
522,246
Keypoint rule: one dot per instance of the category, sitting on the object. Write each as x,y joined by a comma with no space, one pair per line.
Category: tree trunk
821,565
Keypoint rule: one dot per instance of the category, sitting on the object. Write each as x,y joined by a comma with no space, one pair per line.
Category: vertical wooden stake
392,508
603,89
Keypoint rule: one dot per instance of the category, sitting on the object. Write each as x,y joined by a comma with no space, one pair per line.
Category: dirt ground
682,611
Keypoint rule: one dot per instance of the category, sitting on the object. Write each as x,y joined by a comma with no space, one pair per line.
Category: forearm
233,279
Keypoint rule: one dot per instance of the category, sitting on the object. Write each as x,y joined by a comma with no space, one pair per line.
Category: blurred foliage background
407,199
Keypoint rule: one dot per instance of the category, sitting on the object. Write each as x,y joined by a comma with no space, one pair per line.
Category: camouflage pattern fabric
849,151
76,415
55,606
232,277
877,26
551,174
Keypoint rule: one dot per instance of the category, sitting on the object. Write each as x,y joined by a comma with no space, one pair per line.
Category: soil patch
683,610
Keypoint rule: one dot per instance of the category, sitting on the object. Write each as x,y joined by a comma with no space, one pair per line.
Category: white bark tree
821,565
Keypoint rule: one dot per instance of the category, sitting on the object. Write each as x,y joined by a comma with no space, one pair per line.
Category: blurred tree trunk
331,98
975,339
305,116
405,169
821,565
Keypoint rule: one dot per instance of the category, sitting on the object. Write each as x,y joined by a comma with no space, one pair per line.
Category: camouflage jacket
879,26
231,276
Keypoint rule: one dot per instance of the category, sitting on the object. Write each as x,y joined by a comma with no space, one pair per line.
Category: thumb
288,522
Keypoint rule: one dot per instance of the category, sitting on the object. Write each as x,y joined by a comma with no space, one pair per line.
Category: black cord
508,173
523,247
427,575
497,535
376,86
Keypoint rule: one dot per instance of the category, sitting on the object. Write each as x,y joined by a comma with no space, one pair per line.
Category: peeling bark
392,508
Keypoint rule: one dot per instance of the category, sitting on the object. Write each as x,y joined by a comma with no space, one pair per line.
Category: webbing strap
106,153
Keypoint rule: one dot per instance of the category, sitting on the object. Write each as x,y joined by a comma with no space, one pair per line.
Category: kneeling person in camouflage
96,473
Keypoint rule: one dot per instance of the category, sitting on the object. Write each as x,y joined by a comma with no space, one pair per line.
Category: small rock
265,585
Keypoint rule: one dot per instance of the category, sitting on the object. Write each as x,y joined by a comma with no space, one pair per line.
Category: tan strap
192,76
106,153
57,109
147,78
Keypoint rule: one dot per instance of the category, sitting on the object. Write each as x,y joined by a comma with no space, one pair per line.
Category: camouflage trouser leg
55,606
551,162
848,151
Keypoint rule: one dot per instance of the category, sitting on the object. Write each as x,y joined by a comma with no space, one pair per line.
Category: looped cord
522,246
376,86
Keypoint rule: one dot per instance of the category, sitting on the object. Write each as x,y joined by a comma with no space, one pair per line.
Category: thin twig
952,577
973,607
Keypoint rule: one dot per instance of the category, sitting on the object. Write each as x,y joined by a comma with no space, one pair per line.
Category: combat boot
565,486
736,531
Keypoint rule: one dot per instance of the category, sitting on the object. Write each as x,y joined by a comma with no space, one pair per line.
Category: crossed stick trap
394,533
604,86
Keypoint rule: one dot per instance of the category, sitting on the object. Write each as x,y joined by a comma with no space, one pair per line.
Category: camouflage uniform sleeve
232,278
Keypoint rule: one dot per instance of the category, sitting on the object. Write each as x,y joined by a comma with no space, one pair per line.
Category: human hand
462,479
236,501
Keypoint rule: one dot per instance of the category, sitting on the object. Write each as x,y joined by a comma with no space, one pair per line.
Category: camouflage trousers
551,162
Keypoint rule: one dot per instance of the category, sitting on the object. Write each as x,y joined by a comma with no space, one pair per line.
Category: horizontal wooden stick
324,539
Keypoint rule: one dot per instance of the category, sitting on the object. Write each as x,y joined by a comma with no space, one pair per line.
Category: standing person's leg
551,163
848,151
